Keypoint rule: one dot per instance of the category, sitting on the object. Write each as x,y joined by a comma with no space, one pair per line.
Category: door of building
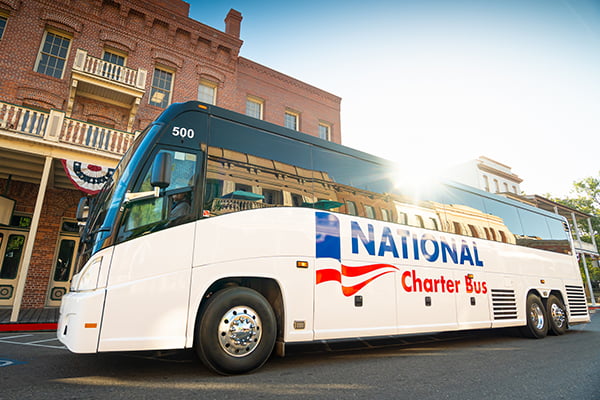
64,260
12,244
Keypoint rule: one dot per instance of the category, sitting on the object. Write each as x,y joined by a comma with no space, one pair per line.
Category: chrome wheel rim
558,315
240,331
537,316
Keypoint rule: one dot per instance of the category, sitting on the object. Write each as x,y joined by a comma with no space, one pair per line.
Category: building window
434,224
114,58
207,92
162,83
369,211
473,231
420,222
457,228
505,187
110,71
351,207
297,200
324,131
254,107
486,183
53,55
272,196
403,218
291,120
385,215
496,186
3,20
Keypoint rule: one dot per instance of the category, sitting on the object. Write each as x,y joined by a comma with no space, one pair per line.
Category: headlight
87,279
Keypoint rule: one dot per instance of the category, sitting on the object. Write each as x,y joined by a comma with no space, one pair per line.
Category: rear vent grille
577,301
504,303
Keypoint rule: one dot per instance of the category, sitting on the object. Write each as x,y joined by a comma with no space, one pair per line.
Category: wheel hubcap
537,316
240,331
558,315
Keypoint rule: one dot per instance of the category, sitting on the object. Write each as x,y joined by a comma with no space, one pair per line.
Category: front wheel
236,332
537,323
557,315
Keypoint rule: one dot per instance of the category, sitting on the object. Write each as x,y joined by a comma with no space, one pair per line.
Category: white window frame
208,84
55,32
170,91
260,104
327,127
295,115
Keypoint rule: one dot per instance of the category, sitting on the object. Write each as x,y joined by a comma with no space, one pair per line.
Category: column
30,240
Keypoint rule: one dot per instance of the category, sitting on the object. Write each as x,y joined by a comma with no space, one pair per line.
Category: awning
242,195
323,204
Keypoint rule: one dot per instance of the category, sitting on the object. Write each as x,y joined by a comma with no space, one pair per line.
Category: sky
434,83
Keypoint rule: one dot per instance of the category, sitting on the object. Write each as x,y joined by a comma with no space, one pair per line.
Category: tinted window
534,225
558,229
62,271
353,172
174,206
507,213
461,197
247,140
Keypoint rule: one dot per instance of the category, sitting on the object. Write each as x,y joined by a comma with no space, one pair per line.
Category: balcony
103,81
27,136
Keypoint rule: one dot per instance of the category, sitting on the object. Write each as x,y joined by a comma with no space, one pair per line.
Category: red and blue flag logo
328,246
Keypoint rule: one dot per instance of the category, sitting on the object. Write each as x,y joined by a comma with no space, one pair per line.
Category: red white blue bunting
87,177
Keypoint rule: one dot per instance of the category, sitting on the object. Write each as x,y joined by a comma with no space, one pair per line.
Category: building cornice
288,80
508,176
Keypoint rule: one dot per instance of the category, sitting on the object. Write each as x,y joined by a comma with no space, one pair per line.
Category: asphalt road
468,365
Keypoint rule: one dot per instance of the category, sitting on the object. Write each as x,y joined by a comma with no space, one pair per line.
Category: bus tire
236,331
537,322
557,315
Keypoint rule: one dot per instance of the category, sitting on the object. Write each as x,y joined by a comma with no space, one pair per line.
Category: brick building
79,78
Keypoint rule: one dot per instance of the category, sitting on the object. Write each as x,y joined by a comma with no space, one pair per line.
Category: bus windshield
105,204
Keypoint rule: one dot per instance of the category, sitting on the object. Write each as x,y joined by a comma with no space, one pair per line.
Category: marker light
301,264
202,107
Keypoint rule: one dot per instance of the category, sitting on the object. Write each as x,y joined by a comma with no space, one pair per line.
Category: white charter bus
233,236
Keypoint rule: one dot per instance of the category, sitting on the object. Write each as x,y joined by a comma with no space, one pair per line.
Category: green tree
586,198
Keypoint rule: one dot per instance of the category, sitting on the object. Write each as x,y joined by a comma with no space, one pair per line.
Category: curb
50,326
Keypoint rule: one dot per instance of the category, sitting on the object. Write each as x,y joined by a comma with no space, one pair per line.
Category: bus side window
172,207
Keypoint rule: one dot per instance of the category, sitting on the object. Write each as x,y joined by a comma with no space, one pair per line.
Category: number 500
183,132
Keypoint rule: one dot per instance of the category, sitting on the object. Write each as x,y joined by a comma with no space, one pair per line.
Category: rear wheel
237,331
537,323
557,315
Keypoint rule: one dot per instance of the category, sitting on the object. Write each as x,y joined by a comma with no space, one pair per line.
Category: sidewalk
32,319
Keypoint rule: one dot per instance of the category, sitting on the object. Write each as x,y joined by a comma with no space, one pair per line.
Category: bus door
148,288
12,244
64,259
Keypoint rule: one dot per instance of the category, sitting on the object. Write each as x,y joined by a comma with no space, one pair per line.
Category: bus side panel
263,243
148,292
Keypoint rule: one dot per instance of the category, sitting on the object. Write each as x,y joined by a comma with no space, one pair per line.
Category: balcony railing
54,126
109,71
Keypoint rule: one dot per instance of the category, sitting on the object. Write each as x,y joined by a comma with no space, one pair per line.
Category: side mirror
161,170
160,178
83,209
